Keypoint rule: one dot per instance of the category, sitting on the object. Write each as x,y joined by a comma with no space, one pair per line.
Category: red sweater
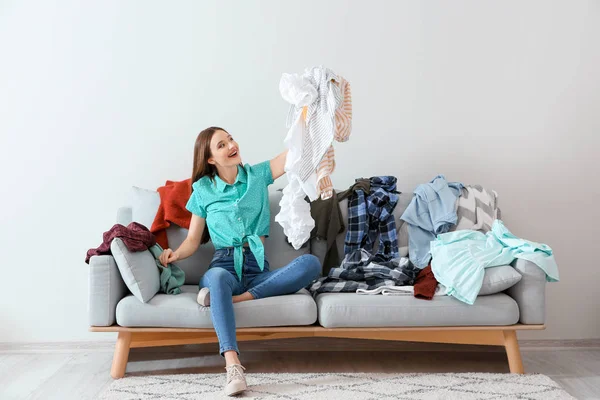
136,237
173,198
425,284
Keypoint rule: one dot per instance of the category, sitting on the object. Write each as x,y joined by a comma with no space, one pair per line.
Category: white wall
99,96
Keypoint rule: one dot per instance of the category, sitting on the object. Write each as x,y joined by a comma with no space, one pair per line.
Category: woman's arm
192,241
278,164
189,245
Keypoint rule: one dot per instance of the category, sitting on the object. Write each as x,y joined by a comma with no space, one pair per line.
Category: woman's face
224,150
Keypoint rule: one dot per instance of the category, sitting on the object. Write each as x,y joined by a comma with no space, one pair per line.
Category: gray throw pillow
144,205
498,279
138,269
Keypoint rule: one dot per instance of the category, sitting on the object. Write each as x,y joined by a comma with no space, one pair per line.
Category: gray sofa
178,319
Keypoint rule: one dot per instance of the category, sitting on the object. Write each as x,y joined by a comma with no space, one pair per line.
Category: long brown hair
201,165
202,154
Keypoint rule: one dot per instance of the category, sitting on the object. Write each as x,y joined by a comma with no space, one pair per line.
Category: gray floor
81,370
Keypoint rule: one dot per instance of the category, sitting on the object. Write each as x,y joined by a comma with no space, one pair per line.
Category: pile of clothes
457,230
137,237
454,232
371,264
365,273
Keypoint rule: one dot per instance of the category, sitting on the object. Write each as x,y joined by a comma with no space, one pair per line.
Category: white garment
294,215
297,90
300,91
307,141
440,290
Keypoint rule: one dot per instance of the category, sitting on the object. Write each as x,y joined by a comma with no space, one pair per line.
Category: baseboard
560,344
299,344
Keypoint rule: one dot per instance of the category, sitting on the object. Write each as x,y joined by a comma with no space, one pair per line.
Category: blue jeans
223,283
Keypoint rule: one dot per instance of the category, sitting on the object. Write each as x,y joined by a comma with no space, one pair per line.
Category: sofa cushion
347,310
182,311
498,279
144,205
402,237
138,270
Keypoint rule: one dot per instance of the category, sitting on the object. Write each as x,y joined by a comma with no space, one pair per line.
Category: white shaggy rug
345,386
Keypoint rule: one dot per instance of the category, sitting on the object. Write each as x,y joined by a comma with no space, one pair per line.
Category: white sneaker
204,297
236,381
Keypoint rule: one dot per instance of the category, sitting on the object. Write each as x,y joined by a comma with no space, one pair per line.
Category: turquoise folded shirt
459,258
171,277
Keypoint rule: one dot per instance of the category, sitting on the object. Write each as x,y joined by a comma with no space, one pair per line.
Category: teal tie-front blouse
236,213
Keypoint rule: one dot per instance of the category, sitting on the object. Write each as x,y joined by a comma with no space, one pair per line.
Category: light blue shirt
431,211
460,258
236,213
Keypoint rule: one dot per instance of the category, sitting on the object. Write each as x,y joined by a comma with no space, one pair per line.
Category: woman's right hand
168,256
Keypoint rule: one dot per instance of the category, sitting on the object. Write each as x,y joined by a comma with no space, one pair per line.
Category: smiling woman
225,152
230,199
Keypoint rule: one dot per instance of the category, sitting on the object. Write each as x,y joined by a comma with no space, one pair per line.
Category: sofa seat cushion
337,310
182,311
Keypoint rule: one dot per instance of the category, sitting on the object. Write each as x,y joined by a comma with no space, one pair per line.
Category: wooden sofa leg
513,352
121,355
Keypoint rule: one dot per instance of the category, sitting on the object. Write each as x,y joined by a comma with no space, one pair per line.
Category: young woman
231,199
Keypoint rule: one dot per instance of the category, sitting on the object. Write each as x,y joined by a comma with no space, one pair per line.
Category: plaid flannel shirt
362,270
371,214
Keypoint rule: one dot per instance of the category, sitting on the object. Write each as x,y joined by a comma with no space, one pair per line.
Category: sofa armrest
530,292
107,288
